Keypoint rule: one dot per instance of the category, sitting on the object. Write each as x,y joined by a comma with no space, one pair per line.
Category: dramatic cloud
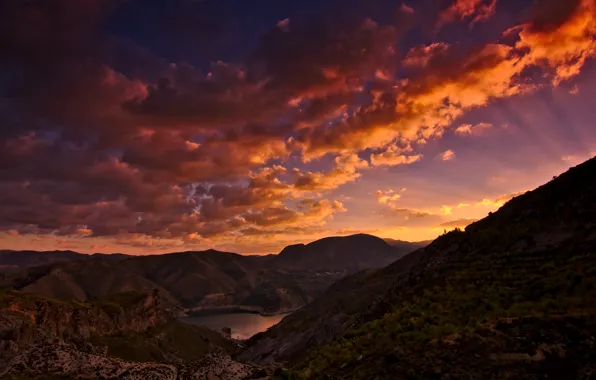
173,128
561,36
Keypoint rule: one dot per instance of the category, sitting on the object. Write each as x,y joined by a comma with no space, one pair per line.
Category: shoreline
235,309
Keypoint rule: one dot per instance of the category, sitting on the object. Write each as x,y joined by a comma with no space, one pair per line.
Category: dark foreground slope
513,296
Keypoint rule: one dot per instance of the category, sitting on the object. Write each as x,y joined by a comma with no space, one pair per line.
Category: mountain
208,279
24,259
349,253
84,280
512,296
406,244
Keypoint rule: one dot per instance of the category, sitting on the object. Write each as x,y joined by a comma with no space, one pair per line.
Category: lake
243,325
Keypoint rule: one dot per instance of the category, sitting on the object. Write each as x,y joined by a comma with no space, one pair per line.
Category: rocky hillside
214,279
28,319
512,296
85,280
127,336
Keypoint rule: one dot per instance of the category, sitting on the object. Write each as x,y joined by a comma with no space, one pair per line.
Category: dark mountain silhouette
512,296
349,253
400,243
23,259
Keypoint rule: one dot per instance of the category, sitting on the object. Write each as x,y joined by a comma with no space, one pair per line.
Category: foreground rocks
43,361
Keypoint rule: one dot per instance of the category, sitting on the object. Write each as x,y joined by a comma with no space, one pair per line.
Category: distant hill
86,280
349,253
206,279
24,259
406,244
512,296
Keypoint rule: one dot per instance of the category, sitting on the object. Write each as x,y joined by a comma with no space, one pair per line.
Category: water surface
243,325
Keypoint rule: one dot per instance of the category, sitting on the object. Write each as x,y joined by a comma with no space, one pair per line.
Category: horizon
152,127
211,249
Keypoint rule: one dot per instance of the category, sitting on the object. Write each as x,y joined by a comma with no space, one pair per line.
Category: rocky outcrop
26,319
40,361
127,336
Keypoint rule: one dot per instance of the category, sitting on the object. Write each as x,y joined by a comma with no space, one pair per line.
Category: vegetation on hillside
166,342
507,306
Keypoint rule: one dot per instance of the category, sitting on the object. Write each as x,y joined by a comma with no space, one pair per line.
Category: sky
142,126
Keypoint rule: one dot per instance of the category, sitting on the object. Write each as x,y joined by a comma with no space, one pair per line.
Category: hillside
210,279
126,336
511,297
85,280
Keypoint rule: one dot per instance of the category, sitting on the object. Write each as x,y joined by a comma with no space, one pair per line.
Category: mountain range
206,279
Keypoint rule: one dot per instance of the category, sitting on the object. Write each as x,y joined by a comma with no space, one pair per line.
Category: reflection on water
243,325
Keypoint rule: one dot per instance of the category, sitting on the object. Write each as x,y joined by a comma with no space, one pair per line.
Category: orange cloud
447,155
564,46
345,171
500,201
387,197
469,129
393,158
461,223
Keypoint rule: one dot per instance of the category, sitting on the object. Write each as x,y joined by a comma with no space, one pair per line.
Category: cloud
406,9
284,25
345,171
447,155
473,10
104,137
560,36
500,201
392,158
388,197
420,56
474,130
446,210
461,223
